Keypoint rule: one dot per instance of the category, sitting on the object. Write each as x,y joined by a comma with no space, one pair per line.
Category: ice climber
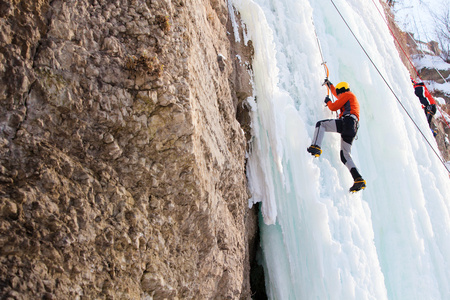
347,125
428,102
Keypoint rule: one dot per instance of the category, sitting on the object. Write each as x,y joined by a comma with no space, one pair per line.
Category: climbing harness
387,84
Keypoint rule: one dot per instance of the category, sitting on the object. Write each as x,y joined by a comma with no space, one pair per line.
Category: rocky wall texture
122,169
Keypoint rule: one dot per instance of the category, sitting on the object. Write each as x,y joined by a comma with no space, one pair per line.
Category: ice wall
390,241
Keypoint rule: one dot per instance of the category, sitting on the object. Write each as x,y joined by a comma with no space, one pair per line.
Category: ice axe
324,63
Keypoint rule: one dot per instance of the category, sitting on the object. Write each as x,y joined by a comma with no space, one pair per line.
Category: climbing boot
358,185
434,131
314,150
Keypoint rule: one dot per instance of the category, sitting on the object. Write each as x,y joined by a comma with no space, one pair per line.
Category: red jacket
423,94
346,102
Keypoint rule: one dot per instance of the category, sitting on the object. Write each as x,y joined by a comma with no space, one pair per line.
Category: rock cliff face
122,160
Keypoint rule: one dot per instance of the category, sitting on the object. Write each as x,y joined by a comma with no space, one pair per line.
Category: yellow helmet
342,87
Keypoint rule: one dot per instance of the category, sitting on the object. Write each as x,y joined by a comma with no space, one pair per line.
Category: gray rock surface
122,169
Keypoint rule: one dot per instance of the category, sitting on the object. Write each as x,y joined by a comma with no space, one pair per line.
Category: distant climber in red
427,100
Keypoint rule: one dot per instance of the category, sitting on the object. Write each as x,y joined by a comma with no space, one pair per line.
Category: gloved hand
327,82
429,108
327,99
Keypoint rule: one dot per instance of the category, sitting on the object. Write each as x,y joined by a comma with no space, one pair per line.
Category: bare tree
442,20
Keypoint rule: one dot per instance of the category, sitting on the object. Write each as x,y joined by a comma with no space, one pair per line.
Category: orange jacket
346,102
